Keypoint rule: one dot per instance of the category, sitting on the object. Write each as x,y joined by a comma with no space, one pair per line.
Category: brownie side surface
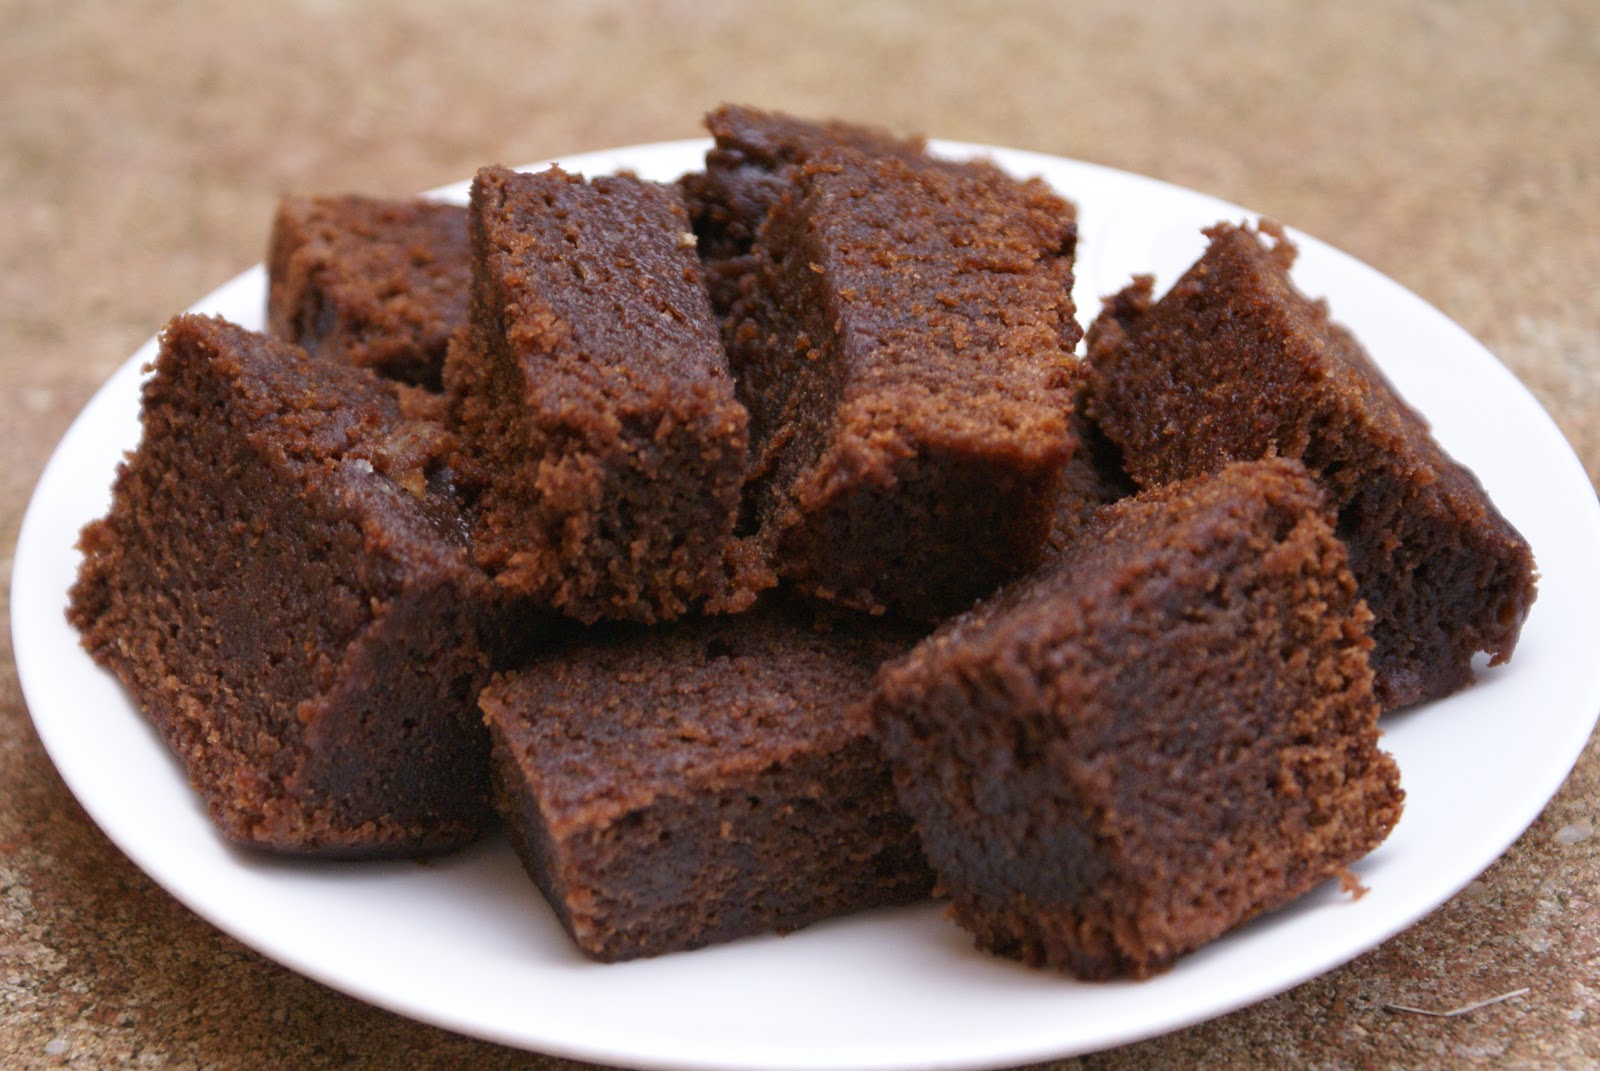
1164,733
594,399
1248,367
291,603
903,349
703,781
372,282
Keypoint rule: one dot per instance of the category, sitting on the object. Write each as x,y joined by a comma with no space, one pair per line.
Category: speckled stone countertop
1454,146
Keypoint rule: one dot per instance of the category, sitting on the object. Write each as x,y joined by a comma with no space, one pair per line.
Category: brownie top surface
598,282
388,268
749,140
767,139
338,430
626,712
757,156
954,299
1342,376
1262,346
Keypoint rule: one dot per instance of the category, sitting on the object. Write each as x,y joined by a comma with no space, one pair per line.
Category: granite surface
1454,146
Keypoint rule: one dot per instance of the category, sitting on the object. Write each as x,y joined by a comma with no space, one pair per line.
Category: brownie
372,282
756,159
747,169
594,400
903,346
1163,734
283,584
714,778
1248,367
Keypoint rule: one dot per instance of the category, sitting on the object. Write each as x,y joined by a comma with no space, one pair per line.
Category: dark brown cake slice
1161,735
758,158
903,346
283,584
749,168
1235,363
594,399
704,781
372,282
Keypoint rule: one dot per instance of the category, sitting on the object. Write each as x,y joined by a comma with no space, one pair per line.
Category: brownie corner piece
1165,733
702,781
289,599
902,341
595,396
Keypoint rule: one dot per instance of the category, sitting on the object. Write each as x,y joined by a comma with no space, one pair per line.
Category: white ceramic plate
466,942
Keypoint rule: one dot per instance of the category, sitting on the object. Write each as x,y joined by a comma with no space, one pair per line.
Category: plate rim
1022,161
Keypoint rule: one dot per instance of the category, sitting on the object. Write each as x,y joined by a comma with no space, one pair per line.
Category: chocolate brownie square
594,401
706,780
1164,733
903,345
757,160
283,584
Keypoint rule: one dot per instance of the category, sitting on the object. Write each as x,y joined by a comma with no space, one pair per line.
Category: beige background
1454,146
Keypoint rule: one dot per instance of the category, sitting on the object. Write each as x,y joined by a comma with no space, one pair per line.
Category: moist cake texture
1157,737
594,401
902,344
706,780
371,282
283,584
758,158
1248,367
749,169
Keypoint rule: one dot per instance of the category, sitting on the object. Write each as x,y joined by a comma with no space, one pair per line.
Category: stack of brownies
759,550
